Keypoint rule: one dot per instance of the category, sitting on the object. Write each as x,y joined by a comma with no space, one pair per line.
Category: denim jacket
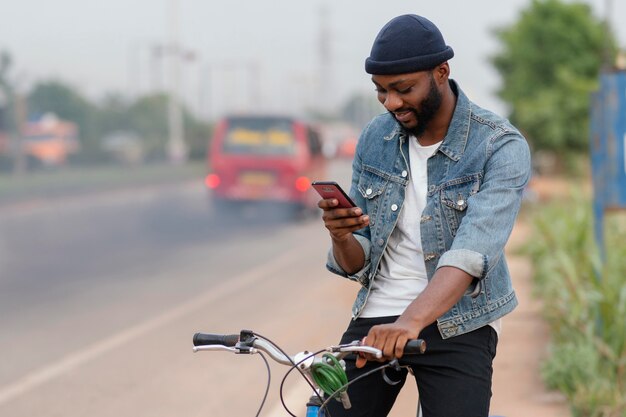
475,184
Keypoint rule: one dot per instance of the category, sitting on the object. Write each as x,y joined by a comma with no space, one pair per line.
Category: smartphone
330,189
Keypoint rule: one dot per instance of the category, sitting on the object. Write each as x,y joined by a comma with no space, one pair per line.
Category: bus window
259,136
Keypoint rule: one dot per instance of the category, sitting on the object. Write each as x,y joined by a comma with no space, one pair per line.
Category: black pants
453,377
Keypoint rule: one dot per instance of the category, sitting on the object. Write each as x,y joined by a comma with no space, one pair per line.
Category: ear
441,73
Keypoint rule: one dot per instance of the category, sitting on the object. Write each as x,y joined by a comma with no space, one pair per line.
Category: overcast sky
248,53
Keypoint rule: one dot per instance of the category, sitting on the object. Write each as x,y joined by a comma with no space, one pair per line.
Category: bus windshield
260,136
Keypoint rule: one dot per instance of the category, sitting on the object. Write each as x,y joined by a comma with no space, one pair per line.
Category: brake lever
356,346
215,347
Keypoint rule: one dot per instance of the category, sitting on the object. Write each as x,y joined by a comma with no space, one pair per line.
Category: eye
380,90
405,91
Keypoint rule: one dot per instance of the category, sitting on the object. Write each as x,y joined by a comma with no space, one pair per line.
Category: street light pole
177,149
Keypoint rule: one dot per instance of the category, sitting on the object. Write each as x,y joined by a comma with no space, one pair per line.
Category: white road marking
73,360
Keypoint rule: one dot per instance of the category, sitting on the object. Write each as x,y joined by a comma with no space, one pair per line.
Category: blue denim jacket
475,184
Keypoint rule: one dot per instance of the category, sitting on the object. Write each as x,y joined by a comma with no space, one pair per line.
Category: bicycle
325,374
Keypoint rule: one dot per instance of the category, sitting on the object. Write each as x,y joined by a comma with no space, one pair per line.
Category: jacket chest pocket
455,195
372,186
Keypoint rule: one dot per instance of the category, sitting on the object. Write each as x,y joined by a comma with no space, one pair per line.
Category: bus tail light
212,181
302,184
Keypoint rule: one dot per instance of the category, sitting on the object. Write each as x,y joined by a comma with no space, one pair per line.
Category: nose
392,102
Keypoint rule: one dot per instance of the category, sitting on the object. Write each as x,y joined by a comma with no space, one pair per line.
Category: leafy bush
584,296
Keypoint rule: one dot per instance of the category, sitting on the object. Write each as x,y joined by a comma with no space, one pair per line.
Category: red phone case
330,189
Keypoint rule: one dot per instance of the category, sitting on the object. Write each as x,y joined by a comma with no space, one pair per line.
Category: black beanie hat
408,43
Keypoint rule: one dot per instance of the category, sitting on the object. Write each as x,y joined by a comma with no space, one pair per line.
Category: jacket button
404,174
394,207
431,188
460,202
381,242
368,191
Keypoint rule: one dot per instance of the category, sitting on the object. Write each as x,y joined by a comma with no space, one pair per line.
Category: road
99,298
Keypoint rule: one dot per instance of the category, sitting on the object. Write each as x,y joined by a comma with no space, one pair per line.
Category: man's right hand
341,222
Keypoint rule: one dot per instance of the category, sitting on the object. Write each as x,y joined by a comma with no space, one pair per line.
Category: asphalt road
99,298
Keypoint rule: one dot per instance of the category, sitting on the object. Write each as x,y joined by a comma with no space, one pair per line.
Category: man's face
413,98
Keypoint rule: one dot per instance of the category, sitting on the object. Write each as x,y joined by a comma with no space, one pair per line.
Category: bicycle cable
326,376
267,387
282,383
294,365
347,384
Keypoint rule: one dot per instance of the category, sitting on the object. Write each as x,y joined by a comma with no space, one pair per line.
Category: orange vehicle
49,140
265,159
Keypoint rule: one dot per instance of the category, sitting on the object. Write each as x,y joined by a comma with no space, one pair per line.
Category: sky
244,55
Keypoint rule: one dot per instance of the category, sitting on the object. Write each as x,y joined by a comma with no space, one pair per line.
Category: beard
427,110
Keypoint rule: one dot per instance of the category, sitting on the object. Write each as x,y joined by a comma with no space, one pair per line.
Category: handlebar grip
415,347
202,339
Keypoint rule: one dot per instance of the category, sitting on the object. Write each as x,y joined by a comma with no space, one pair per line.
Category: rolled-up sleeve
333,266
472,262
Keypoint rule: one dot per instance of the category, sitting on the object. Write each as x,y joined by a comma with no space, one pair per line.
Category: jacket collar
454,142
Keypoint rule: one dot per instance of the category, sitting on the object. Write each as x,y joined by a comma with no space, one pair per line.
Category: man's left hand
390,339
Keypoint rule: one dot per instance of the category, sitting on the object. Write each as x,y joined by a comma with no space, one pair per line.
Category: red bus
265,159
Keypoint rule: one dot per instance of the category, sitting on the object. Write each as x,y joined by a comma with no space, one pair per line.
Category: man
438,183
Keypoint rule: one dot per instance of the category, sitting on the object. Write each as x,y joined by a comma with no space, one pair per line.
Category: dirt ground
518,389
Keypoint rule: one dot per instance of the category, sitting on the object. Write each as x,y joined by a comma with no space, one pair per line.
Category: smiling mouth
403,116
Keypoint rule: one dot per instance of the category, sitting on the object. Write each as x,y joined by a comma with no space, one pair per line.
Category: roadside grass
584,298
84,180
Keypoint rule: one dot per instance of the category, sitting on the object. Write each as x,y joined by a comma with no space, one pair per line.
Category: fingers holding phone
341,216
330,190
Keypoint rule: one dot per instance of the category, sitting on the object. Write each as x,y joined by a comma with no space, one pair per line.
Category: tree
6,112
113,114
549,64
148,117
145,117
6,92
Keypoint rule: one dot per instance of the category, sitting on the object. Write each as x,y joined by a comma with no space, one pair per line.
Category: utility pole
177,149
325,76
157,52
19,167
133,71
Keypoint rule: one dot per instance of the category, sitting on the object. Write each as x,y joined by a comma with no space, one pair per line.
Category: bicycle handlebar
230,342
325,373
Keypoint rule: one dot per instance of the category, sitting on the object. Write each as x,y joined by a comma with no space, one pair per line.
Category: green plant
584,296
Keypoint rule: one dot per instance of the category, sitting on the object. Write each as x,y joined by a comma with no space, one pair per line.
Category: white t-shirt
402,273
